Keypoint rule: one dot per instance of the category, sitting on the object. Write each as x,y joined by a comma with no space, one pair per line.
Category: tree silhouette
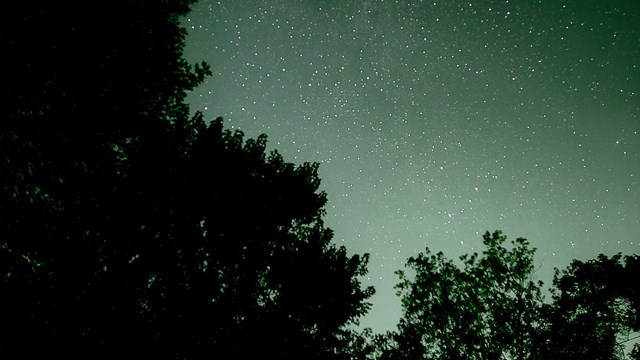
128,227
595,304
488,309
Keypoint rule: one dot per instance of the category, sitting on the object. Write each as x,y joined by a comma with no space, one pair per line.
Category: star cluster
435,121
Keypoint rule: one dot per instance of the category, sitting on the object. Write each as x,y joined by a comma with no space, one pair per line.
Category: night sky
435,121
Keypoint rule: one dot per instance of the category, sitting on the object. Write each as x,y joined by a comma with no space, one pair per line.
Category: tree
595,304
261,258
128,226
81,92
488,309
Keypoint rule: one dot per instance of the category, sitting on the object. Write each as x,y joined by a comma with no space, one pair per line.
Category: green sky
435,121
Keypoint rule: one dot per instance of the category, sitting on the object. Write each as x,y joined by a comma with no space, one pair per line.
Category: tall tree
595,303
128,227
82,90
488,309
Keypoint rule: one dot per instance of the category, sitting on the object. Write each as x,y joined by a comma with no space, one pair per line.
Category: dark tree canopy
596,304
490,307
129,228
485,310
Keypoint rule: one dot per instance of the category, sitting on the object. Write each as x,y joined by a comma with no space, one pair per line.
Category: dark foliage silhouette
596,305
129,228
485,310
490,307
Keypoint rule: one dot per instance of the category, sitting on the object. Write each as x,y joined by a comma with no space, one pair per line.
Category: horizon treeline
130,227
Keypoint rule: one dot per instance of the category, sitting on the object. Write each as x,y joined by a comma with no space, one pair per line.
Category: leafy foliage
129,228
595,304
490,307
485,310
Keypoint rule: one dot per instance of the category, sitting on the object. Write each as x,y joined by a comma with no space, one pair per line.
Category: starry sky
435,121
